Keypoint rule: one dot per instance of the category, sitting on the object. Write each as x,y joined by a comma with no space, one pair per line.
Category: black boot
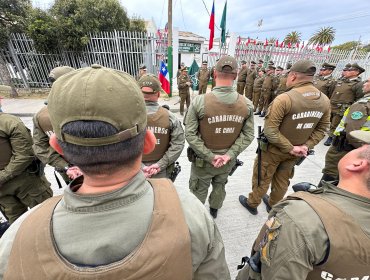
213,212
262,114
328,141
265,199
326,178
244,201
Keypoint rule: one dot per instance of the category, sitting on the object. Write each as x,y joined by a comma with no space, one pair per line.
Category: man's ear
358,165
53,141
149,142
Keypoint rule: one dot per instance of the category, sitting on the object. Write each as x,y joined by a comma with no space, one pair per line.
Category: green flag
223,25
192,72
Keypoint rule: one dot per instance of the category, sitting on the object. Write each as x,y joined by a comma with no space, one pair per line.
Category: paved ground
237,226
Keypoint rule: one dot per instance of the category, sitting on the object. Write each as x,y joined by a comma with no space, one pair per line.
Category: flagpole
169,46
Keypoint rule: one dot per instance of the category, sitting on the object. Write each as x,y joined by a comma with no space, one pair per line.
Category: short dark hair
100,159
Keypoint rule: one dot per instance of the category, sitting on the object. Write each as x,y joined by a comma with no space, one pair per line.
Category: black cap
271,67
253,62
205,62
260,61
271,62
280,68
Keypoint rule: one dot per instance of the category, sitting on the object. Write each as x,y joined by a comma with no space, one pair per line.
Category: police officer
257,87
142,71
266,91
42,130
166,128
242,76
355,117
344,70
22,181
182,66
259,64
325,82
218,127
346,92
276,80
282,81
251,76
183,84
111,221
296,121
203,76
321,234
212,74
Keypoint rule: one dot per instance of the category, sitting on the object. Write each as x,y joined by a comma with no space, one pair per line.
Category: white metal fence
120,50
127,50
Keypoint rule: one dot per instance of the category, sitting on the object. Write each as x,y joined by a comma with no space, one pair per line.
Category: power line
160,22
182,13
209,14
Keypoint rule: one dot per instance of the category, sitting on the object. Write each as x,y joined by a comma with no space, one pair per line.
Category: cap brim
363,136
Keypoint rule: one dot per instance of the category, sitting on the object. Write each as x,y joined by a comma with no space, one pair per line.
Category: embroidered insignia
357,115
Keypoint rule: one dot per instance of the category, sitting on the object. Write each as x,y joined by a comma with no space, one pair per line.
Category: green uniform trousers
276,169
266,100
202,177
335,119
23,191
249,91
202,88
332,158
256,99
240,87
184,97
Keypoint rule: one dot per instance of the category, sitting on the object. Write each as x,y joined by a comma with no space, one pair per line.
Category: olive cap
361,135
304,66
227,60
327,66
142,67
356,67
97,93
149,81
59,71
243,62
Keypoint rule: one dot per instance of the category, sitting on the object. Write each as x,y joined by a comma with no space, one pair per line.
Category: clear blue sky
351,19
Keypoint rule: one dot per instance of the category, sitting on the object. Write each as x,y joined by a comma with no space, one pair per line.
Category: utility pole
169,47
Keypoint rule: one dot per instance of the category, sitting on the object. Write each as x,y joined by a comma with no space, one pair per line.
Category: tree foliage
69,23
13,17
351,45
323,36
293,37
42,29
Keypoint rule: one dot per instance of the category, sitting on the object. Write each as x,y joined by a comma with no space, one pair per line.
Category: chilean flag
164,78
211,27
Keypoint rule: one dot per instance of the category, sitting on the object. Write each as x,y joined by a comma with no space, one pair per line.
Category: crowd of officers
80,134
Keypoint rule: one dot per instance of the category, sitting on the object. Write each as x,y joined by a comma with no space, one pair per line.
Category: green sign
189,47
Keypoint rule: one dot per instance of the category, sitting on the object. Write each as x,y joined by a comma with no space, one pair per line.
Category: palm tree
323,36
293,37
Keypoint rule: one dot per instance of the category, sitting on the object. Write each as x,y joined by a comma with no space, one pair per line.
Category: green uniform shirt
278,109
301,240
177,138
42,149
103,228
196,112
13,128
